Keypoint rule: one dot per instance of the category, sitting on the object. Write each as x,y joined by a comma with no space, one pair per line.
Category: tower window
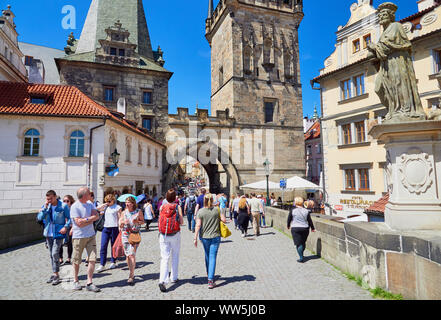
147,123
147,97
269,111
109,93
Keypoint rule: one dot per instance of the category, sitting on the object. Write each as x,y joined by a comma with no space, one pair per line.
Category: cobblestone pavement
262,268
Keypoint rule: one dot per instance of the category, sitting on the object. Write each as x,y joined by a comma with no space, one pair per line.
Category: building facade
114,64
55,137
11,65
313,153
354,173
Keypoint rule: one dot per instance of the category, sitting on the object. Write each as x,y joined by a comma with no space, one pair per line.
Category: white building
12,67
55,137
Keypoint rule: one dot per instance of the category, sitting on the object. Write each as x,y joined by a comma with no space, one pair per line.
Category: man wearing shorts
83,214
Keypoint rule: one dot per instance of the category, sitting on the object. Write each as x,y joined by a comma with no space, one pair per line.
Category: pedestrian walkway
262,268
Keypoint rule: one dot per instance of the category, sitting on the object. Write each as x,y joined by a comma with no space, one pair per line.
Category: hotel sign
356,203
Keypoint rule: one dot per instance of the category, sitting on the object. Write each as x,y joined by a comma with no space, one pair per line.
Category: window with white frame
352,132
31,146
436,60
357,178
76,144
359,85
346,92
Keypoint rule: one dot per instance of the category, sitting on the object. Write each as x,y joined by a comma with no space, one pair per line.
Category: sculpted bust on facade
396,81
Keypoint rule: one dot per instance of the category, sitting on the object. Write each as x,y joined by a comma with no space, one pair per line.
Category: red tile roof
378,206
61,101
313,132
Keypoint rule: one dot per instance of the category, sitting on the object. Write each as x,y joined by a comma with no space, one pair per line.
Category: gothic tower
114,64
255,72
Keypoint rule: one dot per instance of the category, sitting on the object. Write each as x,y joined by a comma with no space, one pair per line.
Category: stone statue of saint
396,81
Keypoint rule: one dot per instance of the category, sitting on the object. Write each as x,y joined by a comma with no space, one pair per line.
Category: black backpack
191,205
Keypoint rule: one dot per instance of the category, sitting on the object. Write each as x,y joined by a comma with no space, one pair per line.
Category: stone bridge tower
255,74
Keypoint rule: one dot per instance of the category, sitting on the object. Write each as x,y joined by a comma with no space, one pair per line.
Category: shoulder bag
225,232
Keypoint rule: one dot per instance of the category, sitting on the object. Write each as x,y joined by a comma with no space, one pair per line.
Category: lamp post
266,165
115,158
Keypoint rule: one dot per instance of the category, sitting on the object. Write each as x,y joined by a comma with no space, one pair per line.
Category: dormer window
38,100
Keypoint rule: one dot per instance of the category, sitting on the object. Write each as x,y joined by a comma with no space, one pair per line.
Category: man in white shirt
83,214
256,208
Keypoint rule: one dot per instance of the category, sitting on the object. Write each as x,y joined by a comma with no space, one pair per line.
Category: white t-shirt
148,212
111,216
82,210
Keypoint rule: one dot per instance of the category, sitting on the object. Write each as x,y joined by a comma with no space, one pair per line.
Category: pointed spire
316,116
210,9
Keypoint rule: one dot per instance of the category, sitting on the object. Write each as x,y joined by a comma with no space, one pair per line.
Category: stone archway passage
213,170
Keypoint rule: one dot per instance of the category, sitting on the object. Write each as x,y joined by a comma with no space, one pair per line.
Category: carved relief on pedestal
416,172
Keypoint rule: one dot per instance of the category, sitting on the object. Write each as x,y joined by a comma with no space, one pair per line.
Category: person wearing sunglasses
112,214
69,201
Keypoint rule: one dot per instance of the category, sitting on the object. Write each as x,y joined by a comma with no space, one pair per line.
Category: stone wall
18,229
406,263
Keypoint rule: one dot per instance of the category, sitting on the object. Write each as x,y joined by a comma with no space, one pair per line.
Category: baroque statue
396,83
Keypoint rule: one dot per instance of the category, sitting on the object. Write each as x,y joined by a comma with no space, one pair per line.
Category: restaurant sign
356,203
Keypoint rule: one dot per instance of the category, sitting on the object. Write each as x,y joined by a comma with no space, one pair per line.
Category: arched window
247,52
149,157
139,154
112,143
128,149
31,143
76,146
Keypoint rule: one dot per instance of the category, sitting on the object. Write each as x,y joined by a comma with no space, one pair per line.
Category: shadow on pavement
204,281
123,283
315,257
139,265
30,244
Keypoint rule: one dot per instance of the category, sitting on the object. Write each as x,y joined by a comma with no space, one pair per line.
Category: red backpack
169,219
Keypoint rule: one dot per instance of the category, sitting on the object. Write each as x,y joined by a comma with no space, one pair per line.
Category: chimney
122,106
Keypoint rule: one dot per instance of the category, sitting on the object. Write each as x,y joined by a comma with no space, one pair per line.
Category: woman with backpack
170,220
130,225
208,223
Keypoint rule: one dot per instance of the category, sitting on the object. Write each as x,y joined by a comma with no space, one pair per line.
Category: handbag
99,224
225,232
118,248
134,238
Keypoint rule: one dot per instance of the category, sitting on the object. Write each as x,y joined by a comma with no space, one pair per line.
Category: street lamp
115,158
266,165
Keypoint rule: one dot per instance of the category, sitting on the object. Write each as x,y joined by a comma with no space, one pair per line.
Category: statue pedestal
413,172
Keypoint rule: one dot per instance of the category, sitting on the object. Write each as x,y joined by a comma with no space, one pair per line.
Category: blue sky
179,28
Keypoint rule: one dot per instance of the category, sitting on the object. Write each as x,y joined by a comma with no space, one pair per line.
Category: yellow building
354,174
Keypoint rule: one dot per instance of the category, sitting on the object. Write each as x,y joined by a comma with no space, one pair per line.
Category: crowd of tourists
74,224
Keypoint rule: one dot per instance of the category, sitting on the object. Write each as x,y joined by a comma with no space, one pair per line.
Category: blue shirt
200,201
223,202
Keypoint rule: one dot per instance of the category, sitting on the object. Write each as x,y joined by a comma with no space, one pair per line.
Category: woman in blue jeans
208,225
112,213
